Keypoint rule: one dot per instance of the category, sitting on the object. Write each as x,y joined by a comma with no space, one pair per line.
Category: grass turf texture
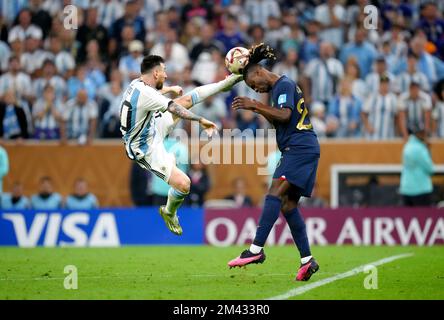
201,272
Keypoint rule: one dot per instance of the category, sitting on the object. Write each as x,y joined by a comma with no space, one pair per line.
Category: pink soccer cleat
306,270
247,257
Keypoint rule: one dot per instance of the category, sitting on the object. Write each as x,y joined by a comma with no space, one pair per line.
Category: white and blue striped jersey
381,112
415,108
404,79
438,117
137,117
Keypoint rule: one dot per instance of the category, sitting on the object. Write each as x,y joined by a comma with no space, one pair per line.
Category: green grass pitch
201,272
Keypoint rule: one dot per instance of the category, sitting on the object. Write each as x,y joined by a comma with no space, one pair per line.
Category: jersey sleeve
153,100
285,94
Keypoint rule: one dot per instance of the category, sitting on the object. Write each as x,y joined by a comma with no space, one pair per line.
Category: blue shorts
298,168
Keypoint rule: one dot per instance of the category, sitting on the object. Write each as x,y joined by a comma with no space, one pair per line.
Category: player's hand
243,103
209,127
176,90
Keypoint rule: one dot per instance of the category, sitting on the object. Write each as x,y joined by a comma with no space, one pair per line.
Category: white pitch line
300,290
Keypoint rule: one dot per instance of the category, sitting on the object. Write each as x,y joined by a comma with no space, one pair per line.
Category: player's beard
159,85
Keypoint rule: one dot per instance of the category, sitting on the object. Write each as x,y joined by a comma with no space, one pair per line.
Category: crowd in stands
48,199
63,84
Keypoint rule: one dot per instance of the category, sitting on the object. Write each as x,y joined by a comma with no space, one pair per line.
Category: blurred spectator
81,81
110,124
174,53
317,119
359,89
344,113
10,9
80,118
40,16
380,68
433,25
50,77
206,43
363,51
258,11
395,12
46,199
47,114
276,32
13,121
414,109
14,200
256,34
129,65
431,66
205,69
417,169
378,112
161,27
33,57
200,184
132,18
196,9
91,29
247,122
16,80
213,109
230,36
404,79
159,188
4,166
81,199
63,60
294,41
239,195
5,54
322,75
109,11
438,115
310,47
332,17
24,24
288,66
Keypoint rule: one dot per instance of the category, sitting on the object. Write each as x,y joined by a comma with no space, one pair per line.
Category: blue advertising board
97,228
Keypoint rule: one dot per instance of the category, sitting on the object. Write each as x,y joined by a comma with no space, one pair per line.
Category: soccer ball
236,59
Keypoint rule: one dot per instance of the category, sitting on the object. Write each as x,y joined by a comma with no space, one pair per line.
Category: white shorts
159,161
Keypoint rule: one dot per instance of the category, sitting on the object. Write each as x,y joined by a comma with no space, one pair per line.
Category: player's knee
184,185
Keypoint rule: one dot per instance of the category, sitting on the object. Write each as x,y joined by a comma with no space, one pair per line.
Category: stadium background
94,63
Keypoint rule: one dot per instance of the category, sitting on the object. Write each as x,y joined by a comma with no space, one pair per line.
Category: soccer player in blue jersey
296,171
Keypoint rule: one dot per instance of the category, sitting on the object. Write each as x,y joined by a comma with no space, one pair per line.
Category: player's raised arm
271,114
186,114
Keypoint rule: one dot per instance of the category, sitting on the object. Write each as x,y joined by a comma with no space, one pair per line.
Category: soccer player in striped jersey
147,117
295,174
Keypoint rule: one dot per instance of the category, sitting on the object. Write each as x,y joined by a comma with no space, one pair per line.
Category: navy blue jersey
298,132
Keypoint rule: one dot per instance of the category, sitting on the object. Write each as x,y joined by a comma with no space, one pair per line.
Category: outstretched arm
183,113
271,114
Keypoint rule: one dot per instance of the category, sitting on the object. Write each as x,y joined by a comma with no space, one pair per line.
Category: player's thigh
278,187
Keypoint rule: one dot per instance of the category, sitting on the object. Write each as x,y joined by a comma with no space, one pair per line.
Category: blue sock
298,231
270,213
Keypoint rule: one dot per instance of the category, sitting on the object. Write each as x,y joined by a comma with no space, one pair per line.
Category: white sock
201,93
305,259
175,199
255,249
